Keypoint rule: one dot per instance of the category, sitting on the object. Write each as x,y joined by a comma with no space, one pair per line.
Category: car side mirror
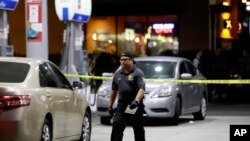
186,76
77,85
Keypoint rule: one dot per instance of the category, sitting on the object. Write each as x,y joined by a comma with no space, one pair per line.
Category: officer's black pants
121,120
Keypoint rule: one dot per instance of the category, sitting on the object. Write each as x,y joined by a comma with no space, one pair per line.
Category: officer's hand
111,111
134,104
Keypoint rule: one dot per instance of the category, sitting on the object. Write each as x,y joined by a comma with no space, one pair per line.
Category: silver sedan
164,98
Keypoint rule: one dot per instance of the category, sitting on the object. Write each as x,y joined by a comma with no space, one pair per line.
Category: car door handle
66,97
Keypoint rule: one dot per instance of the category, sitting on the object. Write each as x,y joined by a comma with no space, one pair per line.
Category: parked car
37,102
164,99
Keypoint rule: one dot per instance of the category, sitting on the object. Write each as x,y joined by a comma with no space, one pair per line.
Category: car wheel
175,119
46,131
203,109
86,127
105,120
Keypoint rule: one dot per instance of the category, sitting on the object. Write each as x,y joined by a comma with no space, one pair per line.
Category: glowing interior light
110,41
94,36
225,3
154,43
244,1
158,68
137,39
248,8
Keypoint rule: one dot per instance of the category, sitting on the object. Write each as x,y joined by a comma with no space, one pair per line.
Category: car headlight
163,92
104,92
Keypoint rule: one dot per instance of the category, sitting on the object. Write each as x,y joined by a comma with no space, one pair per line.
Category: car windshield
157,69
11,72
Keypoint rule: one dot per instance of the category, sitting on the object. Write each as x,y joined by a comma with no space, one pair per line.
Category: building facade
148,27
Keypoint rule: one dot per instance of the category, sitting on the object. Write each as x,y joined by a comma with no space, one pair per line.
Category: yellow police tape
205,81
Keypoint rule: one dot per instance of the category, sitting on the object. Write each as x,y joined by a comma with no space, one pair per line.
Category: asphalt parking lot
215,127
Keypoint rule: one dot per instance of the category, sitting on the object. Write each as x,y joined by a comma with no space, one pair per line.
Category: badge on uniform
130,77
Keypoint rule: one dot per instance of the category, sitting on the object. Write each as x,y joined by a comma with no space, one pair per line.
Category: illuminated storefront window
144,35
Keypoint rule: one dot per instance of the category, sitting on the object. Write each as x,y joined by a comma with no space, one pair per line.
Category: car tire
86,127
175,119
46,131
203,109
105,120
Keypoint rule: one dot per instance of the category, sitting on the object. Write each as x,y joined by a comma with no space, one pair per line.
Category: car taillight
8,102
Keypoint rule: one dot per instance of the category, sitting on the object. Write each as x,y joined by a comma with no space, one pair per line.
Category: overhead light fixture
243,1
248,8
225,3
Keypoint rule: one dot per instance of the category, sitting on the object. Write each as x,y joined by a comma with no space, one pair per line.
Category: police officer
128,83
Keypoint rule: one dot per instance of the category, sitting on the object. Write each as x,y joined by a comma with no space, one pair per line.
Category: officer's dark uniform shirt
128,84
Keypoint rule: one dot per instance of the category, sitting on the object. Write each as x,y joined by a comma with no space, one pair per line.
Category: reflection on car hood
149,85
155,85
